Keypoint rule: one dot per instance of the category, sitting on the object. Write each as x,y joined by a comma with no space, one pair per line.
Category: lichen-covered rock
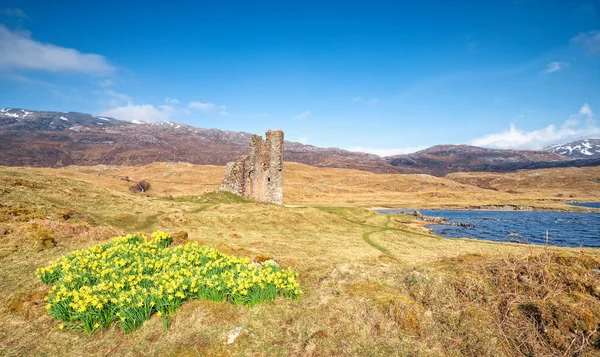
258,176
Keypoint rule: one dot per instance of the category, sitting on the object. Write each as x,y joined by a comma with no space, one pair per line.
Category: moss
41,237
404,312
220,197
133,222
18,213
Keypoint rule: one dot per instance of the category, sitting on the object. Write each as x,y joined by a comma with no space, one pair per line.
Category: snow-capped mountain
581,149
45,138
52,121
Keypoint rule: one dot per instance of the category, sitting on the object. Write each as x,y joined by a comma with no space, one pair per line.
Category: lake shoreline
500,208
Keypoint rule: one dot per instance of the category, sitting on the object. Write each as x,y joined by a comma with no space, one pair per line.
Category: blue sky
382,77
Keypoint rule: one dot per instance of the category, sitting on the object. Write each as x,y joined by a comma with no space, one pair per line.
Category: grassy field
307,185
373,284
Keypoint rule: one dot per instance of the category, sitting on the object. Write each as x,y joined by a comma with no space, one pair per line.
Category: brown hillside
305,184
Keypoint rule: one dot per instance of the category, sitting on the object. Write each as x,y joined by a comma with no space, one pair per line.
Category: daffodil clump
132,277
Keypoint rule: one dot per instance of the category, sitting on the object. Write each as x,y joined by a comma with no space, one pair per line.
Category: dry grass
373,285
305,184
571,183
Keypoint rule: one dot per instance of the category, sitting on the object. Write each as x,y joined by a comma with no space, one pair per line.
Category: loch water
564,228
587,204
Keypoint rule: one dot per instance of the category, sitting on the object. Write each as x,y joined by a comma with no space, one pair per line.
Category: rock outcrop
258,176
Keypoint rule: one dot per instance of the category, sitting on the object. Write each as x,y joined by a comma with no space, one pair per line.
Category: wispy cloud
31,82
26,80
19,52
113,98
387,152
586,111
304,115
171,101
525,112
589,40
205,107
16,13
209,108
555,67
577,126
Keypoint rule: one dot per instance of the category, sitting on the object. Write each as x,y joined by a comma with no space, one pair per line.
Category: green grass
129,278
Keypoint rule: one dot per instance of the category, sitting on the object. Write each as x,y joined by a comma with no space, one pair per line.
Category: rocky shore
439,220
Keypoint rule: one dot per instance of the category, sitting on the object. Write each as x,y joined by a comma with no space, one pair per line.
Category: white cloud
555,67
374,101
209,108
205,107
139,113
570,130
589,40
357,99
16,13
123,107
19,51
304,115
586,111
302,140
171,101
387,152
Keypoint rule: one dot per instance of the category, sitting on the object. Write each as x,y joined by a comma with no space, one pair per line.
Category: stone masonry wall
258,176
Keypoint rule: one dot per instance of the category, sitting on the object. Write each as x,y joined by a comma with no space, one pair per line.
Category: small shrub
63,214
41,236
19,182
141,186
129,278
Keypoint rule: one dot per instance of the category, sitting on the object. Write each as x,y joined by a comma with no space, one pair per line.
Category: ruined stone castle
258,176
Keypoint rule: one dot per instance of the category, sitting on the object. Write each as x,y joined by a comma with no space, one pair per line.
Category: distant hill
581,149
443,159
51,139
54,139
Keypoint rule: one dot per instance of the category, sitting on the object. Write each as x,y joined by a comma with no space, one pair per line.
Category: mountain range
583,149
53,139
